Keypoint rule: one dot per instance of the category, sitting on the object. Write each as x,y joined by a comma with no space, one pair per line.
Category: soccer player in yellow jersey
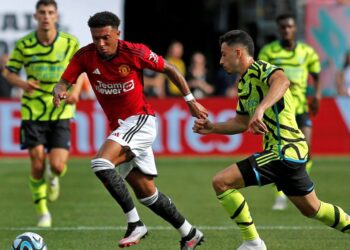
298,60
265,108
45,129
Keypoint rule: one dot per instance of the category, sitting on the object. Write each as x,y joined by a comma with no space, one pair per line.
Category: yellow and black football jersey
44,63
284,137
297,65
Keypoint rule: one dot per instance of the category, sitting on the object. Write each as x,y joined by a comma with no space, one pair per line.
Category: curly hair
103,19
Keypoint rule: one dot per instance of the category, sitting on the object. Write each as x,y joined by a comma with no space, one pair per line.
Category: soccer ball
29,241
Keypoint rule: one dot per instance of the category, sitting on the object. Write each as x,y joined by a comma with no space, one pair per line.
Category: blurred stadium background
86,218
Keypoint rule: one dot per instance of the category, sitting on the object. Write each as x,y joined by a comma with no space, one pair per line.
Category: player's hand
72,98
203,126
30,86
314,105
256,124
58,96
197,110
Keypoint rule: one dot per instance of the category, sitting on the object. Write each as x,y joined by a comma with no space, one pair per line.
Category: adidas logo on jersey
96,72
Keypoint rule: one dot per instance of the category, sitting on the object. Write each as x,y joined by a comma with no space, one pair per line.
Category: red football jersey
118,82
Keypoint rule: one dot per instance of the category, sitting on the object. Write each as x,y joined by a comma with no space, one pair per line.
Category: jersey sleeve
73,70
16,59
266,72
151,60
314,65
240,109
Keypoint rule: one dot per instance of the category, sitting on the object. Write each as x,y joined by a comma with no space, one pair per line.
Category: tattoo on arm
62,85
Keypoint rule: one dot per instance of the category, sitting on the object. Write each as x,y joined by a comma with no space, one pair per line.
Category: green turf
86,217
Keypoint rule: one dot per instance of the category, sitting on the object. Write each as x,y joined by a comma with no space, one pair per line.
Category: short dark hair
285,16
103,19
46,3
238,36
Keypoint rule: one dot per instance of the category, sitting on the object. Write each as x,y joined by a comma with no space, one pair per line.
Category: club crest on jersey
153,57
124,70
251,106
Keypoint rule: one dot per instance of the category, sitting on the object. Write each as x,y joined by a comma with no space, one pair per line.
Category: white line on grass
159,228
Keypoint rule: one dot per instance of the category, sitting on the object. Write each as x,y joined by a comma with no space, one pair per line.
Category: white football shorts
137,132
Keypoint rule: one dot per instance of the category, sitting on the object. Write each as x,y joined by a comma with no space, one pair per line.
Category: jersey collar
49,45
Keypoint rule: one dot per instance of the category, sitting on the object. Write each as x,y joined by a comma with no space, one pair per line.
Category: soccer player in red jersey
114,68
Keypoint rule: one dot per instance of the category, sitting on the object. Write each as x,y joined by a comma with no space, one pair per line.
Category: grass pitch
86,217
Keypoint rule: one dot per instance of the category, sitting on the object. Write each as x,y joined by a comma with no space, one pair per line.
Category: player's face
287,29
230,58
47,17
105,40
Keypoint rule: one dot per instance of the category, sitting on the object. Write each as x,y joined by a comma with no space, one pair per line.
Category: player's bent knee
57,167
99,164
219,184
148,201
215,181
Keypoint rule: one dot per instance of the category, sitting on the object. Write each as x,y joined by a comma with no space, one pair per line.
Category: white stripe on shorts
138,133
132,131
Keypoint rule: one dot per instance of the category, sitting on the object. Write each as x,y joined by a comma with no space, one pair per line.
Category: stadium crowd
204,81
276,107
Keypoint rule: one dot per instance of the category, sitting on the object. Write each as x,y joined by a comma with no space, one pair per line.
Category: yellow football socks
333,216
38,189
234,203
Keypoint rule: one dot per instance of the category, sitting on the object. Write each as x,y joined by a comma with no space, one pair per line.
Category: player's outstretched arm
235,125
60,91
196,109
74,93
